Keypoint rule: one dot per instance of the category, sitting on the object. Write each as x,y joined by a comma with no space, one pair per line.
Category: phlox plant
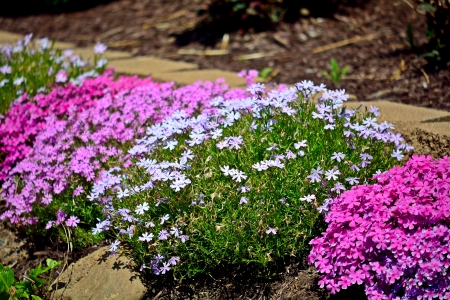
392,236
81,131
21,123
35,67
243,184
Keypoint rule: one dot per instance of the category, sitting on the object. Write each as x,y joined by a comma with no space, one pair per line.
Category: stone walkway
427,129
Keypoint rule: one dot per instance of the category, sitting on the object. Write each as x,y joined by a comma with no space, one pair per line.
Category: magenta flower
391,236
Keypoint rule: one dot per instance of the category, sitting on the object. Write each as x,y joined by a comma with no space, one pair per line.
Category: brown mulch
382,66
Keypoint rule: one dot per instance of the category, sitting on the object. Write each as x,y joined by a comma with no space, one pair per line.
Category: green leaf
52,263
34,274
410,35
426,7
344,71
264,73
334,66
34,297
6,278
326,75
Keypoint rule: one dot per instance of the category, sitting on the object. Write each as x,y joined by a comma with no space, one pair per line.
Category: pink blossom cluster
75,132
21,124
392,236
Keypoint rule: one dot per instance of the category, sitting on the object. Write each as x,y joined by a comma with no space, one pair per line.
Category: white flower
308,198
141,208
238,176
226,170
146,237
299,145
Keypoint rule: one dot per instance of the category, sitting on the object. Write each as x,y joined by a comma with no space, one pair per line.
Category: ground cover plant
36,67
31,286
77,131
392,236
242,184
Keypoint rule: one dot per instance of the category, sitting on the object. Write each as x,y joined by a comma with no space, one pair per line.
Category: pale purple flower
165,268
226,170
173,260
243,200
332,174
100,48
239,176
271,231
19,81
114,246
352,180
308,198
338,156
61,76
141,208
299,145
183,238
243,189
5,69
164,219
163,235
397,154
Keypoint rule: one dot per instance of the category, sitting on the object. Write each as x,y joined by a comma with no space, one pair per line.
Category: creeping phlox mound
242,183
392,236
58,143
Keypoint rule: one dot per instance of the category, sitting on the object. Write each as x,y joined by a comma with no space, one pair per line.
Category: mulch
381,66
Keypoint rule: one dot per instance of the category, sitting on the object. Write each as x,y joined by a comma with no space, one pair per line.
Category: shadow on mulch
219,18
37,7
294,280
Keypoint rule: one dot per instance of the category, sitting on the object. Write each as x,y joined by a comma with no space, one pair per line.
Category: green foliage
410,36
264,73
227,229
34,69
438,30
33,284
337,73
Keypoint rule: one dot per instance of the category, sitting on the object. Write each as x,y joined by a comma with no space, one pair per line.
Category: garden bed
382,65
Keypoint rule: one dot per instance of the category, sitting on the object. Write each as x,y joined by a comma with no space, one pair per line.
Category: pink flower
72,221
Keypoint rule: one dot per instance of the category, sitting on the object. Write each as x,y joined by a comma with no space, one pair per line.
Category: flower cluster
392,236
35,67
73,133
241,146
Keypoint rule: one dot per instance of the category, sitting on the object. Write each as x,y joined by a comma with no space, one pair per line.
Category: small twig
157,295
346,42
426,75
257,55
225,41
272,75
110,33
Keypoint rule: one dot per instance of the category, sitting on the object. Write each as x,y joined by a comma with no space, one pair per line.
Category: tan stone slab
9,38
12,38
428,130
410,117
149,65
99,276
88,53
189,77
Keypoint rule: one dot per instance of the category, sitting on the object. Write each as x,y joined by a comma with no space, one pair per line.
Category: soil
382,65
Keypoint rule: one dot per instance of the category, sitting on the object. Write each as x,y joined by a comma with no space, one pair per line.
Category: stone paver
149,66
9,38
88,53
98,276
188,77
428,130
12,38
